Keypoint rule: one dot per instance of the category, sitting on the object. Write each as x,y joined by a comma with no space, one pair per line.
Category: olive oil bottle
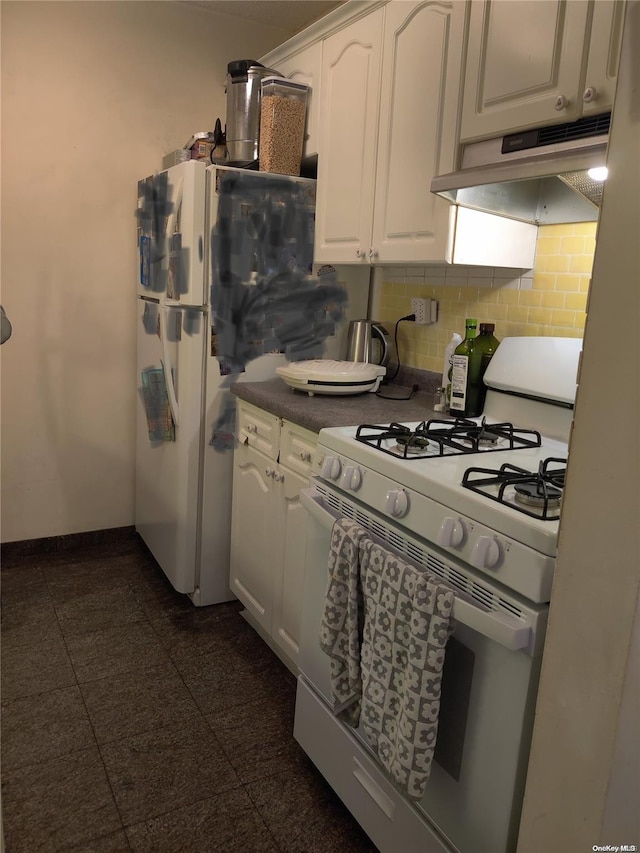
483,349
460,403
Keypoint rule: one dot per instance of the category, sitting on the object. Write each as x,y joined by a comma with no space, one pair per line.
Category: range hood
538,176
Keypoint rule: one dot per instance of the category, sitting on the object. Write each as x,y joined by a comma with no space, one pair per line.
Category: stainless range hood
538,176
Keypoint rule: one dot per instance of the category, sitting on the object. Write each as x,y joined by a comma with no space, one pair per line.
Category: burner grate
501,484
435,438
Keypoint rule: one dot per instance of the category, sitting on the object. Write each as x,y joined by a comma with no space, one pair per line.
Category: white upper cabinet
599,83
421,66
350,82
304,67
532,63
390,94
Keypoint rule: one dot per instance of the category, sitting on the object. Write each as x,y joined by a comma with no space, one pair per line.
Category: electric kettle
367,342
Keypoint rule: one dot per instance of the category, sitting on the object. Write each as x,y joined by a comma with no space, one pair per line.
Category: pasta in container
283,112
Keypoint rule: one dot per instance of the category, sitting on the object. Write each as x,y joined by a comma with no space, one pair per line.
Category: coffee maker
244,79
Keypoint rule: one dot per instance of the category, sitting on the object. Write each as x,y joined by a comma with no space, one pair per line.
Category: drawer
389,820
259,429
297,446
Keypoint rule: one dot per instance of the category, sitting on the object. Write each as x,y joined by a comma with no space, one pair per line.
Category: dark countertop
321,411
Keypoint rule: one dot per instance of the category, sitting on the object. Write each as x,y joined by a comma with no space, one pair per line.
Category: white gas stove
446,499
476,503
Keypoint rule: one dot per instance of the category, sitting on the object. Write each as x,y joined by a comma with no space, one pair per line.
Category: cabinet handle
373,253
269,472
359,253
278,477
590,94
561,103
305,456
251,428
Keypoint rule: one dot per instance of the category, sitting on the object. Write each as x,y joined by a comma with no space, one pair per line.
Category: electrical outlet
422,310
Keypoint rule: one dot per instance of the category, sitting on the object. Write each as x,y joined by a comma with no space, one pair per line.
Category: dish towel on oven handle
343,620
400,646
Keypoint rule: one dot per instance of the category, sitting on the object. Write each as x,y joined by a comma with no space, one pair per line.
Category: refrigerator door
169,440
171,235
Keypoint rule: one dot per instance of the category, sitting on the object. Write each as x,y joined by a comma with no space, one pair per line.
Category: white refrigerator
225,266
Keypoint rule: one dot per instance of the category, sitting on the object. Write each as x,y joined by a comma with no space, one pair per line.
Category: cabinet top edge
330,23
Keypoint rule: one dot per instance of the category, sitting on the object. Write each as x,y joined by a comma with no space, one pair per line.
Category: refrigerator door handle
166,367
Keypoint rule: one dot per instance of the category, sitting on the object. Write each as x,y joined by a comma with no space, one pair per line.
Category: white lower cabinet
268,525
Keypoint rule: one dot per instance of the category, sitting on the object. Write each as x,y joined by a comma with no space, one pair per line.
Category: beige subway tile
540,315
469,294
547,246
552,230
580,321
552,298
580,263
590,245
585,283
517,313
508,296
568,281
489,295
585,229
500,312
562,317
532,297
559,263
573,245
482,311
544,281
575,301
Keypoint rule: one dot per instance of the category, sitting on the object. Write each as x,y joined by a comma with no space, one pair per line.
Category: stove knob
451,533
397,503
486,553
351,478
330,469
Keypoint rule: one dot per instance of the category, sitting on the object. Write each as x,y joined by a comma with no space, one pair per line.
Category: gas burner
535,494
445,438
411,444
538,494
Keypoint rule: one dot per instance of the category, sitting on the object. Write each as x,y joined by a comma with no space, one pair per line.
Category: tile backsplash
550,299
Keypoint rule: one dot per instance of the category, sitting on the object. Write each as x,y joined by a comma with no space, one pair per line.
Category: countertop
320,411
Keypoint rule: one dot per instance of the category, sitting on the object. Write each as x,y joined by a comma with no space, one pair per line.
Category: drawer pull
251,428
305,456
376,793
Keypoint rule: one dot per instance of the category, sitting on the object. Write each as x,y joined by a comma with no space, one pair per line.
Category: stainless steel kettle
367,341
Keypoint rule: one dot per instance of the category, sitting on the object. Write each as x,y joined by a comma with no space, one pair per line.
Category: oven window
457,675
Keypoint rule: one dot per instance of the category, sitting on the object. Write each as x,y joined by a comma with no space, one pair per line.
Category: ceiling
289,15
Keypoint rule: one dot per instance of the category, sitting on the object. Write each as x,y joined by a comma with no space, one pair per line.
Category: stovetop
439,472
439,437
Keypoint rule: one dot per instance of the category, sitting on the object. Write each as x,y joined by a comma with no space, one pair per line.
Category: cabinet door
349,92
604,55
305,67
289,569
421,71
523,56
253,517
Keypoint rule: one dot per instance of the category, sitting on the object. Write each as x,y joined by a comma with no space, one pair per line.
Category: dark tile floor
133,721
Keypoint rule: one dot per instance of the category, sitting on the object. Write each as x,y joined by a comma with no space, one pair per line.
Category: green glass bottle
460,403
483,349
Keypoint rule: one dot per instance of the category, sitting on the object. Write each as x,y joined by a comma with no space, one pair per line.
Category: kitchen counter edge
319,411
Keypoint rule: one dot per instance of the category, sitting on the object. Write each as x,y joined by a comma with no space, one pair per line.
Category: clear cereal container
283,113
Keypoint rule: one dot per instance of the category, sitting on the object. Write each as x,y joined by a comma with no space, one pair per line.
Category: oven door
490,678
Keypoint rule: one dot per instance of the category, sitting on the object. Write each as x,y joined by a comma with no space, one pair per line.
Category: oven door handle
508,631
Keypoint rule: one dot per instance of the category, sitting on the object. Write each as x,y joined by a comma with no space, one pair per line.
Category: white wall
93,94
583,788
